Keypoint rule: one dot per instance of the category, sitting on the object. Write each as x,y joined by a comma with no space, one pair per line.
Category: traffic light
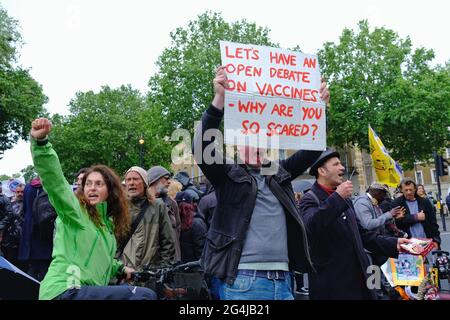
441,166
445,165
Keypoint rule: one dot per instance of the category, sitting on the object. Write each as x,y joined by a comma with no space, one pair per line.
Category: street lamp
141,151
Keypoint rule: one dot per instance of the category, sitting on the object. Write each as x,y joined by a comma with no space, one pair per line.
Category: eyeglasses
97,184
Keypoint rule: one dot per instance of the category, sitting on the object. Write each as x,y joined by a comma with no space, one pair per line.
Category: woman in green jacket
87,227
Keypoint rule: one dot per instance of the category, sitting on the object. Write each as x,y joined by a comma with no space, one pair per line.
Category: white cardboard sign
273,97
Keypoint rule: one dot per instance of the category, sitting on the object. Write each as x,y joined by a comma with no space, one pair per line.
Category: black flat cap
327,154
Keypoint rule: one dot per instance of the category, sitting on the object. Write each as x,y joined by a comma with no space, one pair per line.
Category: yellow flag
387,170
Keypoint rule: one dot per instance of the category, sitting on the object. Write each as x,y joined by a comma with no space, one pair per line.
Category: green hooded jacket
83,254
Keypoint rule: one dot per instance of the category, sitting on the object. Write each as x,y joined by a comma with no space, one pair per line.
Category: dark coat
192,241
430,225
236,192
32,247
12,225
5,211
337,243
207,205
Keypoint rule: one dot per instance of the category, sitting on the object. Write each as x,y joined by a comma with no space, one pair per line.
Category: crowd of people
248,229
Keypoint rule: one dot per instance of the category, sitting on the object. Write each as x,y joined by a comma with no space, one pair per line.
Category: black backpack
44,216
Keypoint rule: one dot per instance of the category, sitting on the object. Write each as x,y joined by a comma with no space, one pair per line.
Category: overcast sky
74,45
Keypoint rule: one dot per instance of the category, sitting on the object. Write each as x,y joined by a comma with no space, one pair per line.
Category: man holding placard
257,237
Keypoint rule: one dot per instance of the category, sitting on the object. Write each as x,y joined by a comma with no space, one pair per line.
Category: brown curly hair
117,201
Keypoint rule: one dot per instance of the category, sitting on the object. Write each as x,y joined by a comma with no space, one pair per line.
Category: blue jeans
253,285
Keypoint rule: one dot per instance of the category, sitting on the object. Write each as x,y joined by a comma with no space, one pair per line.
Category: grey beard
160,191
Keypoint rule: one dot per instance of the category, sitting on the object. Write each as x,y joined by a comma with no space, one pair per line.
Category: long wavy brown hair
117,201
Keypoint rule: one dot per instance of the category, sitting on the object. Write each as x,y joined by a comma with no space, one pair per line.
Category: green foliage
21,97
104,128
4,177
376,79
182,89
28,173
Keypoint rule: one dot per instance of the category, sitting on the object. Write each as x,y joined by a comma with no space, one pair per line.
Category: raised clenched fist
220,85
40,128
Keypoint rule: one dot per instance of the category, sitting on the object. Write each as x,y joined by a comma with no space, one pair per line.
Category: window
433,175
419,177
447,153
282,154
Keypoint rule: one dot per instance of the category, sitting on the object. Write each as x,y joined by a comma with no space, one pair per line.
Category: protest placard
273,97
407,270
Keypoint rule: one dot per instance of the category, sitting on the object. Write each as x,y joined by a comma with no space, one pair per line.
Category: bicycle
185,281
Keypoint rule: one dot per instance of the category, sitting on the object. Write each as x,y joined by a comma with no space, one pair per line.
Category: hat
378,186
183,196
327,154
141,172
193,194
183,178
156,172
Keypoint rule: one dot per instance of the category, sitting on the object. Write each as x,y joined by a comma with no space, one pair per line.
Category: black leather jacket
5,211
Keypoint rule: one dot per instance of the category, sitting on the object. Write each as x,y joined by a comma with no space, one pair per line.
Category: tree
28,173
105,128
182,88
4,177
21,97
375,78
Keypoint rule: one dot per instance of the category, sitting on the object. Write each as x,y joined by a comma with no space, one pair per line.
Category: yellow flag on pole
387,170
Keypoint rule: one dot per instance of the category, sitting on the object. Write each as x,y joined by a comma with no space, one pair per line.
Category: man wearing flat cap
159,180
336,238
150,240
371,216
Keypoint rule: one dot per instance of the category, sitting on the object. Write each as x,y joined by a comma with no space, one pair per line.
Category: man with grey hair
150,241
159,182
17,203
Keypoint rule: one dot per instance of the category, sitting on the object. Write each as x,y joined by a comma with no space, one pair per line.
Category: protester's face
251,156
95,189
134,184
79,180
409,191
162,186
332,172
19,193
421,191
